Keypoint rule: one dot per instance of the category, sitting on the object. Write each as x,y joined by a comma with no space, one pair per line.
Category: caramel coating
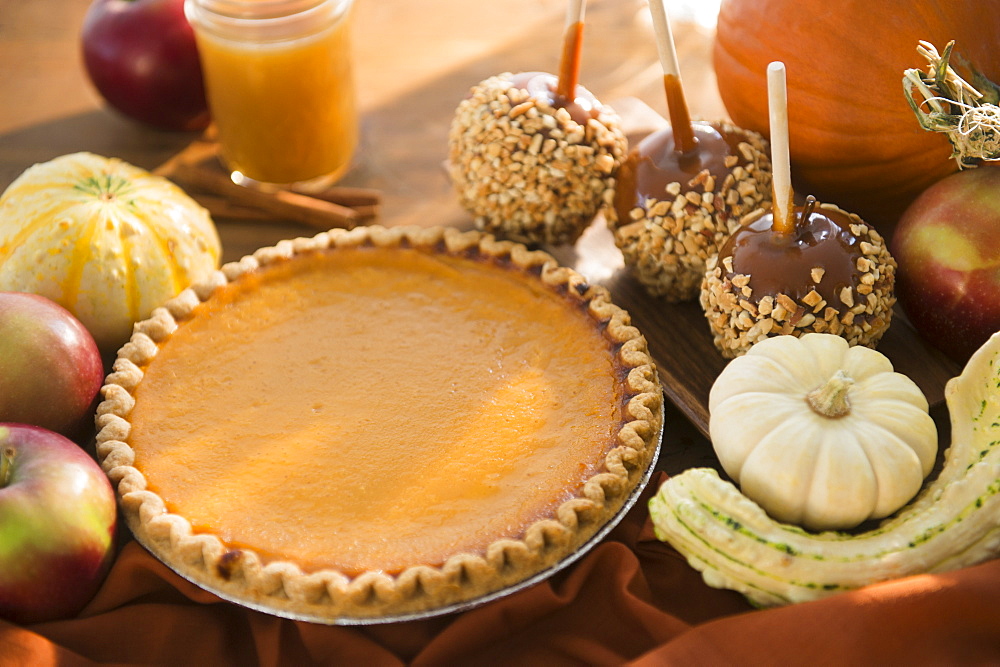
673,210
833,274
524,166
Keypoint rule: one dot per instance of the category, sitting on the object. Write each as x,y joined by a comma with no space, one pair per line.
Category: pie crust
282,587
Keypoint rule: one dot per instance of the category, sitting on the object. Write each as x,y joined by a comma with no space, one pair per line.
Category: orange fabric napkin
632,600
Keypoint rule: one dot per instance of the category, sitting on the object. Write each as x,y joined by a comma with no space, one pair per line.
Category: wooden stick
569,65
782,207
575,12
680,118
285,204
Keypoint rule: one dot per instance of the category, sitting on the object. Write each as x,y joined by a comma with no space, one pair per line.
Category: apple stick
680,119
569,65
782,207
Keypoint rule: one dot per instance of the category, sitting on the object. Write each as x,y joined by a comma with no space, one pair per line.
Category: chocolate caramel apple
797,269
684,189
533,157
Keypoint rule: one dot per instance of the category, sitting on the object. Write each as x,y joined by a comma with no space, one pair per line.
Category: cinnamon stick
353,197
304,209
366,212
220,207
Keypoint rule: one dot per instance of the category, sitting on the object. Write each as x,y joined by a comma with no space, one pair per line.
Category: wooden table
414,62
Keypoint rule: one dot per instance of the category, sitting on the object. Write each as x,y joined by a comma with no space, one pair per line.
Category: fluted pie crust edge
281,587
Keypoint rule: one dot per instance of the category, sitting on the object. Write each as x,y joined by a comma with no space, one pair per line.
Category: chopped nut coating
862,315
526,170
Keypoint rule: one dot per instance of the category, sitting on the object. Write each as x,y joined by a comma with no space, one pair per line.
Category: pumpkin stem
945,102
831,399
106,188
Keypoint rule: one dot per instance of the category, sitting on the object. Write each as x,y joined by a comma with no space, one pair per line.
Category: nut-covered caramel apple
830,273
533,156
532,167
684,189
673,208
793,270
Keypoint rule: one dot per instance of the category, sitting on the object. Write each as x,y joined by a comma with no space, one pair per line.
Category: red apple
947,245
141,56
50,366
57,525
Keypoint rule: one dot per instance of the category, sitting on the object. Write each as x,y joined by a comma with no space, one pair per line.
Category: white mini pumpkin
819,433
105,239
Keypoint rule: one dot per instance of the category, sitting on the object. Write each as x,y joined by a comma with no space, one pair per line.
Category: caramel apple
684,189
533,157
673,209
794,270
832,273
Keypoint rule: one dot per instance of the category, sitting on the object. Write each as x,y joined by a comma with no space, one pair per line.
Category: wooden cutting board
681,342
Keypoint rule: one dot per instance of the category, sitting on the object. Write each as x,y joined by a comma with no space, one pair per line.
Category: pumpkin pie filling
374,423
376,408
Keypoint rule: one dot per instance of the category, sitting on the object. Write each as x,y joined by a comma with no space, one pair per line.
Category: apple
50,365
947,245
57,525
141,56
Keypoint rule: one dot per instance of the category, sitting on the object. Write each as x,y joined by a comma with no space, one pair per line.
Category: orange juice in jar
280,86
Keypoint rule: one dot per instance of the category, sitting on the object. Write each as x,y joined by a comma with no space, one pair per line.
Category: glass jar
280,87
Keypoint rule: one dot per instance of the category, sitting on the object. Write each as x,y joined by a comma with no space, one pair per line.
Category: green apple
57,525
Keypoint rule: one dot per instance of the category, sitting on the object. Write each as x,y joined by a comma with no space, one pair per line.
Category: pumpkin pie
379,422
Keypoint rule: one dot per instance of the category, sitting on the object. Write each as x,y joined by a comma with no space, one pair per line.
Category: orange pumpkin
854,140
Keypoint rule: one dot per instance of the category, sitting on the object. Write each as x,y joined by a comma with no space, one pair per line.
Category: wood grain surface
414,63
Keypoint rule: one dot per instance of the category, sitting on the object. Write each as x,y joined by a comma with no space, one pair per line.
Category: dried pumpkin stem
968,113
831,400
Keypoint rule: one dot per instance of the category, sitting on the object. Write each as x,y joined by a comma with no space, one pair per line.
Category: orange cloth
631,599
